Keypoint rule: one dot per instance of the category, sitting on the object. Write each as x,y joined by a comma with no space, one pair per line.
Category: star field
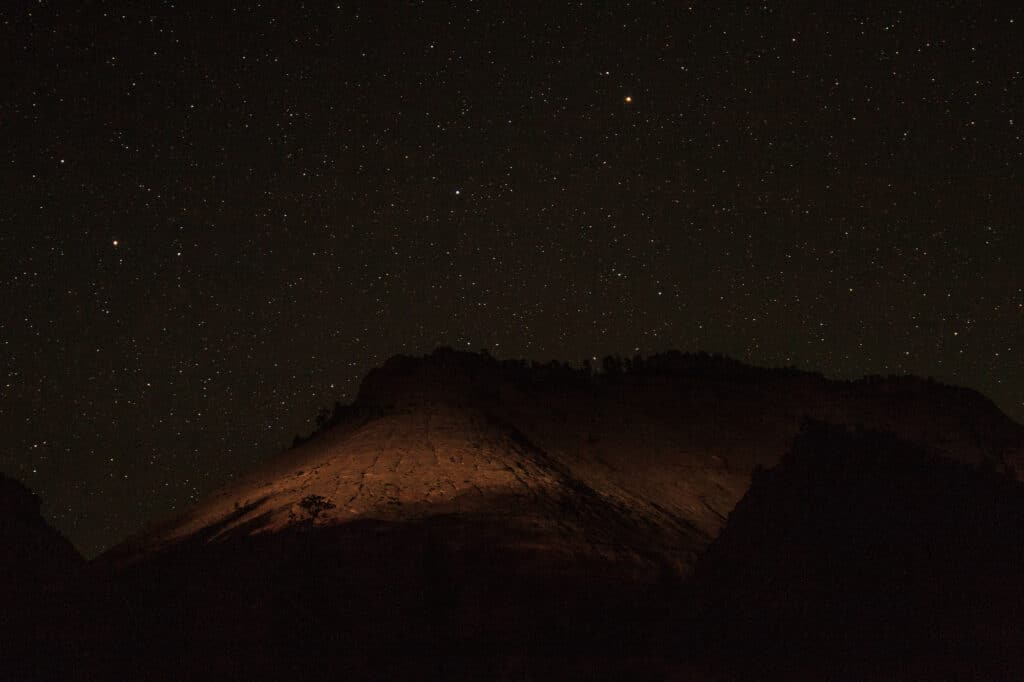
215,221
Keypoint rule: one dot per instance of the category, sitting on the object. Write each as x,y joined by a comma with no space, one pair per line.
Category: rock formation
470,518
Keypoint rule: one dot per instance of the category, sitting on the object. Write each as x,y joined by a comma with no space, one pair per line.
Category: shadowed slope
33,553
860,550
36,562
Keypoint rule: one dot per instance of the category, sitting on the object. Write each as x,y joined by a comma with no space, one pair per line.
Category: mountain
665,446
35,563
467,517
34,553
858,550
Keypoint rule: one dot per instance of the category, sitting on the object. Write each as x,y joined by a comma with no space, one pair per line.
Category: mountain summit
665,446
473,518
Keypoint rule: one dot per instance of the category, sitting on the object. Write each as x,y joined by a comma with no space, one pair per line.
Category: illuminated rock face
467,518
639,465
438,462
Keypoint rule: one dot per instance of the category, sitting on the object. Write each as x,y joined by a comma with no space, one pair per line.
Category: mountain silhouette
469,517
859,549
36,565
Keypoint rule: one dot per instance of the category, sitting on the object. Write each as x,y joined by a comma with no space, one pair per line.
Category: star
698,195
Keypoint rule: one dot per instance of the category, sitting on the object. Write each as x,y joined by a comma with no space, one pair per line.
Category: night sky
215,221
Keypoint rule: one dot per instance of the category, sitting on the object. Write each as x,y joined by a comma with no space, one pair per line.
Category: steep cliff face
666,449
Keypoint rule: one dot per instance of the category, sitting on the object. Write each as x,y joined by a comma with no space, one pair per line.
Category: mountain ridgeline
468,517
670,440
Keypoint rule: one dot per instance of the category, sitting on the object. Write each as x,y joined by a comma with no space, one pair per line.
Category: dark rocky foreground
470,519
36,565
864,553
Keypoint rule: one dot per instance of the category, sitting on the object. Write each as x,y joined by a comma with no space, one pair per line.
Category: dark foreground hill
36,563
34,554
470,518
863,553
